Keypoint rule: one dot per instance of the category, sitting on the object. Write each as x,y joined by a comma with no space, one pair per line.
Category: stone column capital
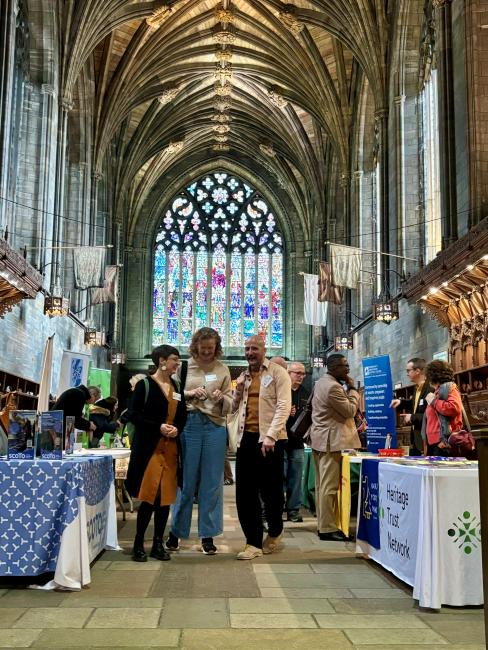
97,176
440,4
48,89
380,114
399,99
358,174
66,104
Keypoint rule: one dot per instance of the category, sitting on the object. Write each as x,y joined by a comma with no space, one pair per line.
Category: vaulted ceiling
177,84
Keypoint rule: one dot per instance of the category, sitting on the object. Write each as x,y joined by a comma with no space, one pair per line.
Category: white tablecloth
430,532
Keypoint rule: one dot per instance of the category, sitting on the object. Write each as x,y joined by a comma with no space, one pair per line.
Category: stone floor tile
3,592
282,568
137,574
341,580
342,566
123,588
77,599
349,621
126,638
38,618
379,593
18,638
373,605
195,613
120,617
216,577
100,565
280,606
31,598
275,621
239,639
396,636
8,616
151,565
306,593
458,629
420,646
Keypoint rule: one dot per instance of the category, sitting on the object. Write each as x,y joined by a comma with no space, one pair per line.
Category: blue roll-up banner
369,523
378,393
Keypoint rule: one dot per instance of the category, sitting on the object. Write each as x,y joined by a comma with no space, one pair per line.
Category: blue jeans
203,446
293,479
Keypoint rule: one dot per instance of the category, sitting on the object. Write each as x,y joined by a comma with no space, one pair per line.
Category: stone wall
24,332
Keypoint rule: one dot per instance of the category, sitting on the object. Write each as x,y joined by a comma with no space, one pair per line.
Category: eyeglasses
298,372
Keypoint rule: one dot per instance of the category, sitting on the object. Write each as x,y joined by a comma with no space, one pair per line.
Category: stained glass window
219,263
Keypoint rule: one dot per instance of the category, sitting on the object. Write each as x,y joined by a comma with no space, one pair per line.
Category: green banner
101,378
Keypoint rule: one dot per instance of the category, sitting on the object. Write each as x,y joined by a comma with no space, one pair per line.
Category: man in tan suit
334,404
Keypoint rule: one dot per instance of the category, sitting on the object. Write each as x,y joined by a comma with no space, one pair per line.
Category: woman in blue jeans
208,397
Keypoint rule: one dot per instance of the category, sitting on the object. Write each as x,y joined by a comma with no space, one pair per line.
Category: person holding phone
334,405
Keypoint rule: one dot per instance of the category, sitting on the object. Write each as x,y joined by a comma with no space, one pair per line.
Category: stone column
46,157
7,61
382,188
401,237
64,107
447,130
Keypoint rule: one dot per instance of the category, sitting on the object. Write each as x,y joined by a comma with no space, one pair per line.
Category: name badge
177,397
212,377
421,402
266,380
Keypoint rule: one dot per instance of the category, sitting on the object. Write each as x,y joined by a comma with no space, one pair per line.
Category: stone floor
312,595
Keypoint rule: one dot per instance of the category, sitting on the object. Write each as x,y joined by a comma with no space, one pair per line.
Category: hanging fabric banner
89,267
109,291
327,291
345,263
314,312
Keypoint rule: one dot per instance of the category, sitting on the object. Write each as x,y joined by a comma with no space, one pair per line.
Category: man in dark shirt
294,448
415,406
72,402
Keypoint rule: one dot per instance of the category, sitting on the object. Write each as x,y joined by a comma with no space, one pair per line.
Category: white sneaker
249,553
272,544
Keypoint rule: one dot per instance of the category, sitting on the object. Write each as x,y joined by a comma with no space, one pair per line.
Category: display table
429,531
120,456
350,470
56,515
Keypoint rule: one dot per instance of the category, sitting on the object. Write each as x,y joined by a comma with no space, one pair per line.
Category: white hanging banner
345,263
314,312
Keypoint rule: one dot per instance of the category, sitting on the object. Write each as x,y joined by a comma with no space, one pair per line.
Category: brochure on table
22,430
51,435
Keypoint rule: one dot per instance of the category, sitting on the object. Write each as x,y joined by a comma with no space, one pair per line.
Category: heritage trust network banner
378,393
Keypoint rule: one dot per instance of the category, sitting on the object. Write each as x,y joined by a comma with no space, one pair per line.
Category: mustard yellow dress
160,476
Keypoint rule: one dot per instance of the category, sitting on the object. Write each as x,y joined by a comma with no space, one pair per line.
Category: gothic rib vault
266,88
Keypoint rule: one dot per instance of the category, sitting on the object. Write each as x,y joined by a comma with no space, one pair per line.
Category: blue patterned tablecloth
38,499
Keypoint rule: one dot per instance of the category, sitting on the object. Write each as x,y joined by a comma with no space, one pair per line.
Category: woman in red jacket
443,414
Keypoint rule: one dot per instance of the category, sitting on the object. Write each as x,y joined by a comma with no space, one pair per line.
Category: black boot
158,551
138,552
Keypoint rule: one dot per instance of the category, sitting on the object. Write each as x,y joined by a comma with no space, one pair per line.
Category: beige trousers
327,477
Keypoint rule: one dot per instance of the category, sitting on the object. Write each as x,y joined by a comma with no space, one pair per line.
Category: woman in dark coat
158,412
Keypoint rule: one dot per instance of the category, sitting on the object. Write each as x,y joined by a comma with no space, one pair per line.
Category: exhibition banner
74,370
400,507
369,525
378,393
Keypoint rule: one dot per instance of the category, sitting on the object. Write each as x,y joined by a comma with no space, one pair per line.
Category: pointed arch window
219,263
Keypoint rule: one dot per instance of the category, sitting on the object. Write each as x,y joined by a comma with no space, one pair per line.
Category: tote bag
232,423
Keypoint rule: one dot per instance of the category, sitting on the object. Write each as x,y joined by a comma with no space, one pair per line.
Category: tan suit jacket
333,412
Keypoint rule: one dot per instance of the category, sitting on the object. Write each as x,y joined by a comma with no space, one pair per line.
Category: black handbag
303,422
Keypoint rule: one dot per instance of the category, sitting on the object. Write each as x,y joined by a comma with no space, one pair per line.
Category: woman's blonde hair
135,378
201,335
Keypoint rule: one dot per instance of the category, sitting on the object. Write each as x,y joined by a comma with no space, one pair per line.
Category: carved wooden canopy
18,279
453,288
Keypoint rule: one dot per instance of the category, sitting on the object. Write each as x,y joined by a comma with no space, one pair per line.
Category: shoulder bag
303,422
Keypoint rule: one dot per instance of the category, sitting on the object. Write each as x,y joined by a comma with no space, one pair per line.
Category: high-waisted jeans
203,445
